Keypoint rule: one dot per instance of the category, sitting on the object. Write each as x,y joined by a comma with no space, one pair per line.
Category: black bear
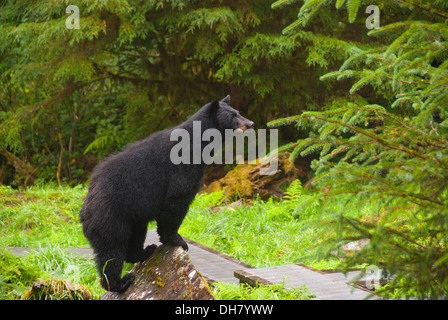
141,184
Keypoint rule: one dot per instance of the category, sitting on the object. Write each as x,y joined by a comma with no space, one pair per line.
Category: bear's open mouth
241,129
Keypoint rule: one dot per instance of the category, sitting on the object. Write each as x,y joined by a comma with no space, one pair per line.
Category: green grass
228,291
41,216
265,233
18,273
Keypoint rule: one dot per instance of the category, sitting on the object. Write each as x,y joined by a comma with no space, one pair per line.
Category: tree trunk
25,170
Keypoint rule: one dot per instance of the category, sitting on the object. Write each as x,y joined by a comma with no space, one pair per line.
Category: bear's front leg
169,235
169,221
174,240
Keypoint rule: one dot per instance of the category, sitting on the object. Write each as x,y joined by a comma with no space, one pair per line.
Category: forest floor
260,234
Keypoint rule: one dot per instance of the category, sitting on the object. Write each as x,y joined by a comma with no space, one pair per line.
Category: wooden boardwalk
218,267
323,286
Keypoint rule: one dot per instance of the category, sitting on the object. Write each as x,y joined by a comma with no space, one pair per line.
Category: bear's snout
245,124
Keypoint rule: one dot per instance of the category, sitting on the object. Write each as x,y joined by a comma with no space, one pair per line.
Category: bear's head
229,118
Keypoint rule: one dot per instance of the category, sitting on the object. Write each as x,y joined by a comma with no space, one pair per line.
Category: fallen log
245,180
24,170
168,274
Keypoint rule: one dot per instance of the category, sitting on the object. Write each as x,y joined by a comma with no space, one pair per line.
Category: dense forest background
68,97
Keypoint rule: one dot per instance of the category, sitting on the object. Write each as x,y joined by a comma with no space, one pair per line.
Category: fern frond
103,141
294,191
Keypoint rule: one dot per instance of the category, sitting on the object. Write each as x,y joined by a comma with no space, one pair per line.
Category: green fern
103,142
294,191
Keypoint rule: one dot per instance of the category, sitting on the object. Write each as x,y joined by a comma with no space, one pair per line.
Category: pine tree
391,155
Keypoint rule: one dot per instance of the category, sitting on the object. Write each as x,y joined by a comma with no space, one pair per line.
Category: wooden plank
323,286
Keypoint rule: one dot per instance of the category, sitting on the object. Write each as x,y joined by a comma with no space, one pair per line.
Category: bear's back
134,179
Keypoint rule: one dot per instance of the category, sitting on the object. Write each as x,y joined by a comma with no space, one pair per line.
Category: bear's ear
214,105
226,99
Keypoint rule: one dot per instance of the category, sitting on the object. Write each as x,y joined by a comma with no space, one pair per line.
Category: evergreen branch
390,27
309,4
411,52
426,7
293,25
339,4
304,16
387,229
362,82
440,69
399,41
357,56
283,121
278,3
400,192
287,147
353,6
429,56
375,138
435,85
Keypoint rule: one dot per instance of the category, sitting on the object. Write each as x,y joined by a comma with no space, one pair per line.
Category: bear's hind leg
110,267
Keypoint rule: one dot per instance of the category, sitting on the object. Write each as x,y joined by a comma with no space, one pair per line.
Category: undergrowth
260,233
229,291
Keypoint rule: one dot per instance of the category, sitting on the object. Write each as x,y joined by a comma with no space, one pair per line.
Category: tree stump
56,289
246,182
168,274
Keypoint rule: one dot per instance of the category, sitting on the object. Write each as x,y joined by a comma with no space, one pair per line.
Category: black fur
141,184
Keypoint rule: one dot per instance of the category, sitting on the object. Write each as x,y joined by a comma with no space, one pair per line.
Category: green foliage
205,200
391,155
294,191
311,9
16,275
69,97
40,216
56,265
282,236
